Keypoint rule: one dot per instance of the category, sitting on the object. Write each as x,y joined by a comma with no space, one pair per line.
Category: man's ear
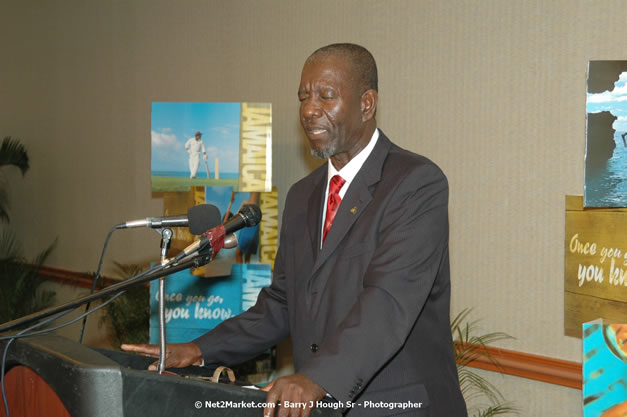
369,101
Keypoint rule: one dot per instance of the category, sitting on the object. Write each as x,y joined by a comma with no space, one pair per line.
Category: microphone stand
158,272
166,236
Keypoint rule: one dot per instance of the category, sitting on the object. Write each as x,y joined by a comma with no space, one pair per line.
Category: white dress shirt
348,172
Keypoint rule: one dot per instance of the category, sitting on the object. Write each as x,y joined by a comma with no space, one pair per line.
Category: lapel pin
353,210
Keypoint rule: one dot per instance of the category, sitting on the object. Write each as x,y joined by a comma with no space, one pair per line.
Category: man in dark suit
361,280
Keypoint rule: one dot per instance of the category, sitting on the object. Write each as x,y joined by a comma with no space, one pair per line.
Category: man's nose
310,108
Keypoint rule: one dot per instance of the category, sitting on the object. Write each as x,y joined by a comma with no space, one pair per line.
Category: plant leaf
468,347
12,152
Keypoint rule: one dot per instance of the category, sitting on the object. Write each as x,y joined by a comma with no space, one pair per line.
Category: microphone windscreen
202,218
251,214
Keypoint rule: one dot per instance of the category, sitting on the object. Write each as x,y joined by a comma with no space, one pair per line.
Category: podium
90,382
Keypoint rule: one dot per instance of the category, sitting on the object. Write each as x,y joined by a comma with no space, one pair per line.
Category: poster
606,135
195,305
595,265
219,154
604,369
211,144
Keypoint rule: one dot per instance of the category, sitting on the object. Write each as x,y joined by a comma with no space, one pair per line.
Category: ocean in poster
607,186
185,174
605,179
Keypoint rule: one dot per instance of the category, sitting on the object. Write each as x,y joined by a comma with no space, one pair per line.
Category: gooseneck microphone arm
212,241
153,273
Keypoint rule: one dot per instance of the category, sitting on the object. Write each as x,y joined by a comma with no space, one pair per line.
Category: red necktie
332,203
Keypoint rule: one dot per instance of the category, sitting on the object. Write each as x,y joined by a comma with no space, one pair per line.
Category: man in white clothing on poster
194,147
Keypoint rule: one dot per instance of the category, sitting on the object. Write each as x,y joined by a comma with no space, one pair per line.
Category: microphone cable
200,218
95,281
23,333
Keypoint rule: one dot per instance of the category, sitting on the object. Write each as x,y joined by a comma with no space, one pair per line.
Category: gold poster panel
178,203
255,158
595,265
268,230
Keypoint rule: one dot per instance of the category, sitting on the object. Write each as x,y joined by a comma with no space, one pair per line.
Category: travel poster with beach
606,135
211,144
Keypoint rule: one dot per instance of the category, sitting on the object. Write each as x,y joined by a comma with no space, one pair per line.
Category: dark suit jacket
369,312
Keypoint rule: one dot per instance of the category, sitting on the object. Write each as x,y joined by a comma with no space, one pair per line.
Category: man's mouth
315,131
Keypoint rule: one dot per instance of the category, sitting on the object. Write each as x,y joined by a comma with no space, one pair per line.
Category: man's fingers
294,412
269,411
153,366
306,410
295,396
130,348
271,398
268,387
150,350
136,347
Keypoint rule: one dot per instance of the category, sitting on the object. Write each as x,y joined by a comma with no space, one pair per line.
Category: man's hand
177,355
296,390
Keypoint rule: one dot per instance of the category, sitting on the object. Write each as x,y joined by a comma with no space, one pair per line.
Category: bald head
362,62
338,101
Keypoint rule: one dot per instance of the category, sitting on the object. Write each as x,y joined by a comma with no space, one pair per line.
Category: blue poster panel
195,305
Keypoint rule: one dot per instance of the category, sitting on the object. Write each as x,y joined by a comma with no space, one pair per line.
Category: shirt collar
350,170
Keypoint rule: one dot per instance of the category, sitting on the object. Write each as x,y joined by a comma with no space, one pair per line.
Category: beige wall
492,90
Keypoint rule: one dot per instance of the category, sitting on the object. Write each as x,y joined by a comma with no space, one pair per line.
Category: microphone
249,215
199,219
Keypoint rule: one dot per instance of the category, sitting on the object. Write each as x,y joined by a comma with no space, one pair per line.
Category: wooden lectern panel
29,395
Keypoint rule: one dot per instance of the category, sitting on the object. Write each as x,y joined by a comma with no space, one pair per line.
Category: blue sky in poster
614,101
221,197
172,124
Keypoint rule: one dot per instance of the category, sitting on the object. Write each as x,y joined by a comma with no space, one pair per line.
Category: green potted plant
19,278
128,316
475,388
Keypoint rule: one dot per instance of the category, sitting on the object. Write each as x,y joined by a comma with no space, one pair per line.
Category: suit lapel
354,203
314,211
